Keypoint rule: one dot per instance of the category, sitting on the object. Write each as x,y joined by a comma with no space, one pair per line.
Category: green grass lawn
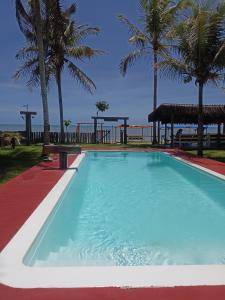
213,154
13,162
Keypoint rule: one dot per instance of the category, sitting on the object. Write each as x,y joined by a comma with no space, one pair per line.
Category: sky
127,96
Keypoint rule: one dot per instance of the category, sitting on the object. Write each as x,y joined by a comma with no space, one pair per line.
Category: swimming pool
131,218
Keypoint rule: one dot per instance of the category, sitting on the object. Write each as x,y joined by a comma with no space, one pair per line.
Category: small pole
101,134
159,132
63,160
111,138
95,130
151,133
165,138
172,131
28,116
219,134
125,131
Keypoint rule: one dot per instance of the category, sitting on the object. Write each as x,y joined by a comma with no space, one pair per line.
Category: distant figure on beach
13,142
179,133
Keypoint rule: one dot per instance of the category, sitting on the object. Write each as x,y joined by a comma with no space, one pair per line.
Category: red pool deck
19,198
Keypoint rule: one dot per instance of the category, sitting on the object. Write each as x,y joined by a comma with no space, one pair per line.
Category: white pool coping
15,274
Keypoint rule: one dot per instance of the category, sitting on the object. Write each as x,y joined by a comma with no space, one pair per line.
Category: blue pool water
133,209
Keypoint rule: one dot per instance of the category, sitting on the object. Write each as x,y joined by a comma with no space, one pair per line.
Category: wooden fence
103,137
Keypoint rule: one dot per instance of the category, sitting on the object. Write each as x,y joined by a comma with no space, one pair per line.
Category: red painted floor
20,196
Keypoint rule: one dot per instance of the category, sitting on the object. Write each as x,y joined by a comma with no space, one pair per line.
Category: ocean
89,128
114,132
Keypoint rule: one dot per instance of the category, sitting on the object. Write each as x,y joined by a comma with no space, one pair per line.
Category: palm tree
66,46
31,24
101,106
67,123
158,18
200,53
63,45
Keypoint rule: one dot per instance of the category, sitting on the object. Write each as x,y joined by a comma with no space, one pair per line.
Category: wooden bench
188,140
135,138
215,139
63,153
209,140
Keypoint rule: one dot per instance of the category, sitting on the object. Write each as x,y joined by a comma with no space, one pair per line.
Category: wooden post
111,140
63,160
159,132
102,142
151,133
28,129
165,138
219,135
28,116
125,131
121,136
95,131
172,131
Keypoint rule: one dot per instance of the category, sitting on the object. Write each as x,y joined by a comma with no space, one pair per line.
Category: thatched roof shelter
187,114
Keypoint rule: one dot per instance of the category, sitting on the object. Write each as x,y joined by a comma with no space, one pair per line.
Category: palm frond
178,7
24,21
23,18
138,40
80,32
61,38
34,78
175,69
70,11
27,52
220,55
69,30
200,47
81,77
130,59
81,52
26,69
134,30
85,30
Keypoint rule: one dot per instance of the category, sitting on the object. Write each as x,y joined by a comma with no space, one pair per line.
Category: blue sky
127,96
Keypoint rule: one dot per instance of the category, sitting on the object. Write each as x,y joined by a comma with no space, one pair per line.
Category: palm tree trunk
41,56
200,121
155,83
59,86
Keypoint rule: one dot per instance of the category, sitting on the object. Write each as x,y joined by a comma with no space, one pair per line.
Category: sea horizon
89,128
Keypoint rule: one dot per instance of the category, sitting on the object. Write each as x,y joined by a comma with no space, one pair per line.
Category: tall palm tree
199,53
63,45
66,46
158,18
31,24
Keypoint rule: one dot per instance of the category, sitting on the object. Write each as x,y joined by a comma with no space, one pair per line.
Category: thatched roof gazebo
187,114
